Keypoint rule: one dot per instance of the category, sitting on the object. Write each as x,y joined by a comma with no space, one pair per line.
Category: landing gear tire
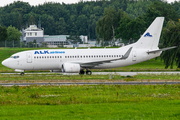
22,74
88,72
81,72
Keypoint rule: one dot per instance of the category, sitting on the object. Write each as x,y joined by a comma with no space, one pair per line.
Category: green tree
31,20
19,22
81,24
48,24
13,37
3,33
72,26
160,9
176,6
130,29
3,36
61,27
171,37
137,8
105,26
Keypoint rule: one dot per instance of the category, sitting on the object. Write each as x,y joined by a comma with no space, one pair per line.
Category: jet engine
71,68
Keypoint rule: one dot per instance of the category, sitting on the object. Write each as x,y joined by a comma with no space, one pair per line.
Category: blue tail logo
147,35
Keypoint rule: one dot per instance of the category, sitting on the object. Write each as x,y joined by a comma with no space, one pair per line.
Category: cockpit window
15,57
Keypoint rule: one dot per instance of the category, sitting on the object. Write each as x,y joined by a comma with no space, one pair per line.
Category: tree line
117,24
72,19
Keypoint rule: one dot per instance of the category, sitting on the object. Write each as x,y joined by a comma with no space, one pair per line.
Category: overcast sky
37,2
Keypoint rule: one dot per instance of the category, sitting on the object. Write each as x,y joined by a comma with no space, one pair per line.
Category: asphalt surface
98,83
91,83
107,73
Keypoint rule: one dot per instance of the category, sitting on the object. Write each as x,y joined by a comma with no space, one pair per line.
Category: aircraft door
134,56
29,57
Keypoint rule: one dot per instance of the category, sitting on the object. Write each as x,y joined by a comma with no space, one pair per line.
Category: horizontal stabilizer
153,51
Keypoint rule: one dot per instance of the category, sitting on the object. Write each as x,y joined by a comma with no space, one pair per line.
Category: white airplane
78,60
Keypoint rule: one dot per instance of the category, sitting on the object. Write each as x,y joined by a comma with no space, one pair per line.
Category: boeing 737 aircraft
78,60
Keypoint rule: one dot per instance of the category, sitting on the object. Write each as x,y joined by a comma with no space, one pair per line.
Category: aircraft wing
153,51
97,62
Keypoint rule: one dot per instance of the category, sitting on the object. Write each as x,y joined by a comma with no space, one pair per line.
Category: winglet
126,55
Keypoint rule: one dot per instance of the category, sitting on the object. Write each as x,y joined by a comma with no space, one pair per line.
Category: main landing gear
22,73
88,72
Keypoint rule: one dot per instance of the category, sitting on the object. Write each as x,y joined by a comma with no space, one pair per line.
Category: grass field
91,102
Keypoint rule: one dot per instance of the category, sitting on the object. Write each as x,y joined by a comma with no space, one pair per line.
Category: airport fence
18,44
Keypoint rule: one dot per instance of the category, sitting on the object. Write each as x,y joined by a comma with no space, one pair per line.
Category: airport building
34,33
56,40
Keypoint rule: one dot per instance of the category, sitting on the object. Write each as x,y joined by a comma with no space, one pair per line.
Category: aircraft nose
5,63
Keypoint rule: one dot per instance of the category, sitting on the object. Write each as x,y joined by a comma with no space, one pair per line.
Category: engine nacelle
71,68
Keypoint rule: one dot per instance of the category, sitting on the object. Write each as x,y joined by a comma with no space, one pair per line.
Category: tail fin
150,38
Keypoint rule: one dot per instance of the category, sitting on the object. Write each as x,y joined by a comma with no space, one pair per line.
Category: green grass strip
90,102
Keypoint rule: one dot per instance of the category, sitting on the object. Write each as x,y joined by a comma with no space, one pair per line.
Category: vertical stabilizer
150,38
